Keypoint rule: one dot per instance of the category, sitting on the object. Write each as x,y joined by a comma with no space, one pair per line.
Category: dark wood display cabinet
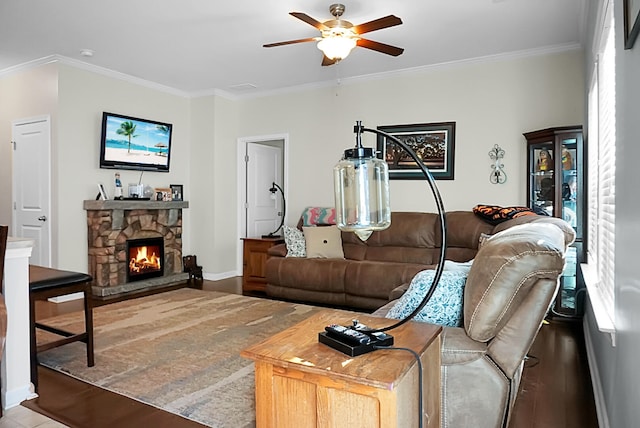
555,186
253,263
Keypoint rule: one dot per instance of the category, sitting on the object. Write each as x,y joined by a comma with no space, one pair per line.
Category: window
599,274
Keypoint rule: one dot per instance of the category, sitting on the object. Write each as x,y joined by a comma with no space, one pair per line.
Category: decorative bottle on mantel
117,194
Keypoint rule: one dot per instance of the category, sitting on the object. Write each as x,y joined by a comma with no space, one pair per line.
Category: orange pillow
495,214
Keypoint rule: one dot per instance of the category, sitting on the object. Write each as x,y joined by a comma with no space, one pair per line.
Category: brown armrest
398,291
279,250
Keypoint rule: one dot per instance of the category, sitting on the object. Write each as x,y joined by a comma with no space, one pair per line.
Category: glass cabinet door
555,183
542,180
571,195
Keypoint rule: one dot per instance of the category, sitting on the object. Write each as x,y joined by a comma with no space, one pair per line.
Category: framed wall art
434,143
631,10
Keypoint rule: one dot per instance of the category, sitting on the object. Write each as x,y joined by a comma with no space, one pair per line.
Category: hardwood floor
555,389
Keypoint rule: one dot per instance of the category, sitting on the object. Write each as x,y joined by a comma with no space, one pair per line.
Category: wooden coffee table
301,382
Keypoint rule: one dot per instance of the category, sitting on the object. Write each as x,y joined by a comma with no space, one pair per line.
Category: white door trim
242,182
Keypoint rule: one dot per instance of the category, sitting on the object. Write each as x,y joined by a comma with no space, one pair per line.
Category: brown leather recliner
509,290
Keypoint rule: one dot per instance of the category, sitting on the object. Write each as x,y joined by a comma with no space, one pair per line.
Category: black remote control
350,335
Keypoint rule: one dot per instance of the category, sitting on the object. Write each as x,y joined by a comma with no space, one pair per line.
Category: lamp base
349,348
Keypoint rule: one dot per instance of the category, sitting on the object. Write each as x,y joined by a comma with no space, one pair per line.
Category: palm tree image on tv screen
132,143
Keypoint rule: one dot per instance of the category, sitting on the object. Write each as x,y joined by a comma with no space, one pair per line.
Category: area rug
179,351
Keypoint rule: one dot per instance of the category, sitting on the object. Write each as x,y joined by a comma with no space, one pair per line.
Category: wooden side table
301,382
253,262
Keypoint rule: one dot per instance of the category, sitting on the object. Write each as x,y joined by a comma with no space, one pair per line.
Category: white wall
82,98
201,177
212,179
491,103
225,189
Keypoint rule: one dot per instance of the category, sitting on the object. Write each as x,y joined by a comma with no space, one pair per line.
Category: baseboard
219,276
16,396
598,393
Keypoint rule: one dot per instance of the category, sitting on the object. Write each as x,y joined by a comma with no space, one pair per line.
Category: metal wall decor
497,176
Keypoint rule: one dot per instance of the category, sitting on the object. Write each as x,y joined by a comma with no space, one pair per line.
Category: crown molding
25,66
549,50
61,59
291,89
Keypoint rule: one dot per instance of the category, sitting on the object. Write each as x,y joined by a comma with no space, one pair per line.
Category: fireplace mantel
133,205
112,222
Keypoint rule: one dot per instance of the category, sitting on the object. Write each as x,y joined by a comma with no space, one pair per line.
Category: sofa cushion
377,279
463,230
504,269
411,238
458,348
445,305
323,242
294,239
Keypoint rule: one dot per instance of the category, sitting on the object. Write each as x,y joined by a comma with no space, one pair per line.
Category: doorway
261,162
31,140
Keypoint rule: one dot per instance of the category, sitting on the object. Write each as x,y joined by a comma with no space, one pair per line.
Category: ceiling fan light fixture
338,36
336,47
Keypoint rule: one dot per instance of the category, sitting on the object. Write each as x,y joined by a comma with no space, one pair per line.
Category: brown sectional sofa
371,270
509,289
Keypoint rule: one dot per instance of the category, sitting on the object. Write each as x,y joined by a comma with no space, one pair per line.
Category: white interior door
32,185
264,167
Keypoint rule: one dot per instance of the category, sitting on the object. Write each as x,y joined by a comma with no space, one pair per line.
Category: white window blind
602,162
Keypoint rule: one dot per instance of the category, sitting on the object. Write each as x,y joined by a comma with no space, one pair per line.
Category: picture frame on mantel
631,11
162,194
102,193
176,192
434,143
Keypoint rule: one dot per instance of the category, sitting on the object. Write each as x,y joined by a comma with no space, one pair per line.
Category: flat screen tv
133,143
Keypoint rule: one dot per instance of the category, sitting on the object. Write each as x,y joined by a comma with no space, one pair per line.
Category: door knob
42,218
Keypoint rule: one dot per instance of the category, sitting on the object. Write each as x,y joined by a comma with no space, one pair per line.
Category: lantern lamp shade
361,187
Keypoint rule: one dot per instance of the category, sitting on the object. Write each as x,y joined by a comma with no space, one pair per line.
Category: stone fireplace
134,245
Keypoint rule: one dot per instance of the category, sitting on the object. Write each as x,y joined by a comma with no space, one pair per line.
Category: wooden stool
45,283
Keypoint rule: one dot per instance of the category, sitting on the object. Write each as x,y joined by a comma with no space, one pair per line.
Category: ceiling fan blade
290,42
380,47
378,24
326,61
309,20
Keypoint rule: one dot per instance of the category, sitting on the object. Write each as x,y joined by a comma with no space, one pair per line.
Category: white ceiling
202,46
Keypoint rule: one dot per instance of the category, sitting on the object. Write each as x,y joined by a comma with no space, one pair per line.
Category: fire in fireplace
146,258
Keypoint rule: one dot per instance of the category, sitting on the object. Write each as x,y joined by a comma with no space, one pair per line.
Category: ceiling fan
338,36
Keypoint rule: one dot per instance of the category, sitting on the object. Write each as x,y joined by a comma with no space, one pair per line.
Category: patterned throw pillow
294,239
312,216
494,214
444,307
